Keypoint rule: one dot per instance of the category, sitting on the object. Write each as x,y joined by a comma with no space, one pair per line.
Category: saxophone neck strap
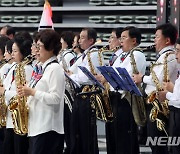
54,61
158,55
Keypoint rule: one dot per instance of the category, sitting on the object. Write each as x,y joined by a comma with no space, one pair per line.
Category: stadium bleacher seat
141,19
96,19
126,19
6,19
150,56
99,35
144,38
106,37
33,19
153,19
19,19
106,55
154,2
110,19
35,3
110,2
95,2
126,2
20,3
6,3
152,36
142,2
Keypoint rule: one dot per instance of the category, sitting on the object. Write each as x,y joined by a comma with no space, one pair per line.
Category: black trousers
121,134
83,127
67,121
15,144
1,138
152,131
174,123
47,143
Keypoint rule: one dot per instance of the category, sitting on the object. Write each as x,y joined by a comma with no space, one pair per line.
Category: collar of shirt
118,52
79,55
91,48
65,51
112,59
171,47
123,56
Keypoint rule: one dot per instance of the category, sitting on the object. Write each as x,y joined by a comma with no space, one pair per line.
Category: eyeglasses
123,38
38,46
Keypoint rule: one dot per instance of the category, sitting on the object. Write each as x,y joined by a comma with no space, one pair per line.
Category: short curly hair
50,39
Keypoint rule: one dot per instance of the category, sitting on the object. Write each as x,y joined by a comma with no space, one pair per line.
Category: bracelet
142,78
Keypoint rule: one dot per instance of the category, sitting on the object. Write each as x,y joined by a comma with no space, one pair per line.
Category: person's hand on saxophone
25,91
167,87
100,78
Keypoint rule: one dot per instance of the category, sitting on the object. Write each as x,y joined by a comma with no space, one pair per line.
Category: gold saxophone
105,93
18,106
99,101
159,107
138,104
3,106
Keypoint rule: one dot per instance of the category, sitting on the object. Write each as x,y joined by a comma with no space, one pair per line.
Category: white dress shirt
74,67
80,77
4,70
47,105
140,63
118,53
172,70
67,56
10,86
174,98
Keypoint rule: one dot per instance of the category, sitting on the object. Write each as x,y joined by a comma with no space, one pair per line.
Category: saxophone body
159,108
18,104
68,84
138,104
99,99
3,106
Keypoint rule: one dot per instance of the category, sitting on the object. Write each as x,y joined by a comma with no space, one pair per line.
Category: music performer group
41,107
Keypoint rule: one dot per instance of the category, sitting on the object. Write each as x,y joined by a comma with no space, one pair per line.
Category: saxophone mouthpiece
151,47
76,46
